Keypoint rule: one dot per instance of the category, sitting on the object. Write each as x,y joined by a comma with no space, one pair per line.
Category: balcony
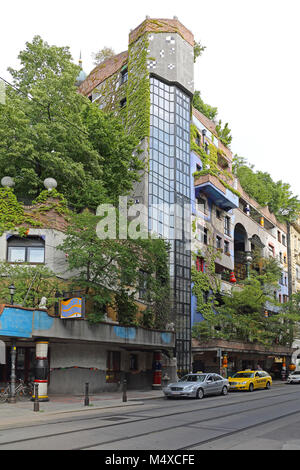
216,190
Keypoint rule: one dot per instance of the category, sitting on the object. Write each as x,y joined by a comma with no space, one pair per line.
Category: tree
224,133
31,282
108,270
47,129
240,314
102,55
260,185
209,111
198,50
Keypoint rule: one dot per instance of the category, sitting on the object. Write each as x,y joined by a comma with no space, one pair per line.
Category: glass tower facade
169,202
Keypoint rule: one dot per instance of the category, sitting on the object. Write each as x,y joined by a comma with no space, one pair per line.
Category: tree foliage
108,270
239,315
47,129
261,187
102,55
209,111
31,283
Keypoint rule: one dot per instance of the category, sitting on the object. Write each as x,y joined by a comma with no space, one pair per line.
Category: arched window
26,250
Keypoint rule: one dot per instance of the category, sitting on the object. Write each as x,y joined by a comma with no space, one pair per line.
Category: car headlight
243,383
189,387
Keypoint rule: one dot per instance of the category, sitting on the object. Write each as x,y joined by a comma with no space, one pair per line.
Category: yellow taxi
250,380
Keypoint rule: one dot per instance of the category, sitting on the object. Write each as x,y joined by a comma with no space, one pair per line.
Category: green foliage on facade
12,214
239,316
261,187
209,111
138,89
210,162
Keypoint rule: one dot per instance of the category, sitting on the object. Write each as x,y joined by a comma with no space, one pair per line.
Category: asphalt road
263,419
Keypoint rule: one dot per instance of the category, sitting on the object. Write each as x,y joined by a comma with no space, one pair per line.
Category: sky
250,69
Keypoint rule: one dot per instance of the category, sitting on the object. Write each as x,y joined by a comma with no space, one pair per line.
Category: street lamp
13,354
12,290
249,260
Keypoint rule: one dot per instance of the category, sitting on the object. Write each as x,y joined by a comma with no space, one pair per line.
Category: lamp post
13,354
249,260
12,290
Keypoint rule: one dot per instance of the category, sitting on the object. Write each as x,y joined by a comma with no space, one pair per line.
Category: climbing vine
51,200
138,89
210,162
12,214
206,284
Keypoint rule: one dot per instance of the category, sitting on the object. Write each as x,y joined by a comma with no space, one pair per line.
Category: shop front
228,357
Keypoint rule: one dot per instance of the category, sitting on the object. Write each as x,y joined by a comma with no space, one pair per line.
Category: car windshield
297,372
193,378
243,375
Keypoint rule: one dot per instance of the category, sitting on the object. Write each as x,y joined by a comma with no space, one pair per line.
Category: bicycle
23,390
4,394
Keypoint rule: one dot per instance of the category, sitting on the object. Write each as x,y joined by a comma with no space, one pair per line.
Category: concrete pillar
41,369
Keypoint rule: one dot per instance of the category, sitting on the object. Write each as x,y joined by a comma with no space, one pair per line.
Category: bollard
36,404
124,390
86,396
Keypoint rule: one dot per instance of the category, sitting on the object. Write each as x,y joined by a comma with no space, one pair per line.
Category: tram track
142,419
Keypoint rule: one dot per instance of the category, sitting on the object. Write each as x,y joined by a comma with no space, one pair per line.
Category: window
278,236
227,226
133,362
198,139
113,366
218,243
201,204
200,264
226,247
124,76
123,103
218,213
283,240
143,284
271,250
205,236
26,250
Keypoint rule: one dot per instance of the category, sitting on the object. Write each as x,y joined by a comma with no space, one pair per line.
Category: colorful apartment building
189,192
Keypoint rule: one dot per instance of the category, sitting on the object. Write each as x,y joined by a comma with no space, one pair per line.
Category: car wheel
200,393
268,385
251,387
224,390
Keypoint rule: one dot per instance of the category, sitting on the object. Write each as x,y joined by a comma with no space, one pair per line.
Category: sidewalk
21,413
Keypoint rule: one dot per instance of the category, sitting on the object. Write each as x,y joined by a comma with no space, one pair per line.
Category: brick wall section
102,72
162,25
49,219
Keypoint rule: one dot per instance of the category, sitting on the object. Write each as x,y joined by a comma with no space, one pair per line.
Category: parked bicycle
4,394
22,391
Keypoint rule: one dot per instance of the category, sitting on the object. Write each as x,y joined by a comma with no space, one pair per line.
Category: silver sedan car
197,386
294,377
